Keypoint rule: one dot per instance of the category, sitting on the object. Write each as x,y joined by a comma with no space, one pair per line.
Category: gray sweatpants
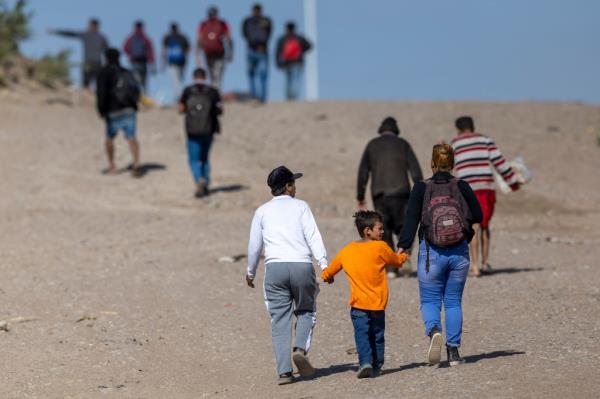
290,288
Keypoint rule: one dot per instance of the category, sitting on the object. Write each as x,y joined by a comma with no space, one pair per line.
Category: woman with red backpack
445,208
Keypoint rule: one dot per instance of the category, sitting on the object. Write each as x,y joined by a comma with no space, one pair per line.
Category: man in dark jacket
388,160
290,57
201,104
175,50
257,32
94,46
117,95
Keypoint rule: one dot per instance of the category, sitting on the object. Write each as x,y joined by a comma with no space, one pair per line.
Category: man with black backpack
140,51
257,32
214,40
201,105
174,53
290,57
117,95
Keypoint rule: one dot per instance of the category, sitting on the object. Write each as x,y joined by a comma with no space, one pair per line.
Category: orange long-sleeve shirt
364,264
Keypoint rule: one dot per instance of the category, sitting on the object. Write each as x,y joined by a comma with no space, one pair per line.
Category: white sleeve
255,245
313,237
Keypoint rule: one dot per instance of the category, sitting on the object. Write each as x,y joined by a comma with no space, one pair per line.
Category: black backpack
126,88
445,215
199,109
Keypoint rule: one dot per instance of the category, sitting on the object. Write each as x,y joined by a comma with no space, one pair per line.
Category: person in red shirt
214,40
140,51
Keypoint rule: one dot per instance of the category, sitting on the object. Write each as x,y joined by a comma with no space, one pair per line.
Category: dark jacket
94,44
257,32
105,100
389,160
415,207
304,44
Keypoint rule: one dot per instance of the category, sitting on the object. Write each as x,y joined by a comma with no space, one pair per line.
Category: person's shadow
230,188
334,369
144,168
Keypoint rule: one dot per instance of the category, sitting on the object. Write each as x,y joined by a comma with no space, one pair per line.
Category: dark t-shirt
215,98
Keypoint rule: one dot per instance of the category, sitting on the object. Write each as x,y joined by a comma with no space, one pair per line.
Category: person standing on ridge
201,105
117,95
214,40
388,160
291,48
257,32
175,50
285,227
94,46
476,154
140,51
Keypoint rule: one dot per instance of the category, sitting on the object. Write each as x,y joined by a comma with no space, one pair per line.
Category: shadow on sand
144,168
227,188
334,369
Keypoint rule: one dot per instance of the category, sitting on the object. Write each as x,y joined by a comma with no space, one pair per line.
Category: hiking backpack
292,49
126,88
212,37
445,215
199,111
175,51
137,48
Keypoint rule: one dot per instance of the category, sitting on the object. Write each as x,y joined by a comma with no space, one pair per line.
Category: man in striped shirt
475,155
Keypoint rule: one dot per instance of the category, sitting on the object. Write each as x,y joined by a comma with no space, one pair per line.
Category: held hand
328,280
515,186
250,281
362,205
400,251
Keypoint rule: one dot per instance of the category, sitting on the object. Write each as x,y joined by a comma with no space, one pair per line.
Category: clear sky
385,49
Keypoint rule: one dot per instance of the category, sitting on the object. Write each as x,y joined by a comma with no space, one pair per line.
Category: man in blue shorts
117,96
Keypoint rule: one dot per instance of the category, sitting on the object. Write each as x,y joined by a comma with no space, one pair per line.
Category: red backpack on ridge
211,33
292,49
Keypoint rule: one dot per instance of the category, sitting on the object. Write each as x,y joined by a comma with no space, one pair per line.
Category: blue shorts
125,122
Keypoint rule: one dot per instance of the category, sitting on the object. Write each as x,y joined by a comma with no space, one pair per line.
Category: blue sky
509,50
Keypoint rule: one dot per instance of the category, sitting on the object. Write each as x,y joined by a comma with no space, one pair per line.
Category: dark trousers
140,71
369,335
393,210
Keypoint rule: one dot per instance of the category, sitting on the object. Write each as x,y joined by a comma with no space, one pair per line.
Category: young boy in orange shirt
364,263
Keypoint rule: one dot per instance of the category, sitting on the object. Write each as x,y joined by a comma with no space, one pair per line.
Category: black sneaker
285,378
434,354
454,358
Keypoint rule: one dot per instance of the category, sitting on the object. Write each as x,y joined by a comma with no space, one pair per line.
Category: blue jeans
258,67
369,335
125,122
198,148
293,75
445,282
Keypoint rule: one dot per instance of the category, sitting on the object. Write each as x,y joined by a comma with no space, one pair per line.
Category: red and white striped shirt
474,156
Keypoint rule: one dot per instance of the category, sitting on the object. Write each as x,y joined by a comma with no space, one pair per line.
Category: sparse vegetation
51,70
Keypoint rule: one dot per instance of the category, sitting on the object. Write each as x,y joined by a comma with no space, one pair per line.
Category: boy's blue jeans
445,282
258,67
198,148
293,75
369,335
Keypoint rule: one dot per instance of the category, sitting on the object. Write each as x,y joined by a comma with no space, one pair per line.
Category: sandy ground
112,288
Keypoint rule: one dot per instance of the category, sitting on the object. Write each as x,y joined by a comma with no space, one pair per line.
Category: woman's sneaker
454,358
434,354
302,363
365,371
285,378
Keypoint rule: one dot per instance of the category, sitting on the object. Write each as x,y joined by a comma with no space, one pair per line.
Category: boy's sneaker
285,378
454,358
365,371
434,354
302,363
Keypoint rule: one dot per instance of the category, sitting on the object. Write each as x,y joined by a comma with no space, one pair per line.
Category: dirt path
111,286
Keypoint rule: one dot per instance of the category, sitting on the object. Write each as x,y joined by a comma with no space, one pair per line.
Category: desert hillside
112,286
